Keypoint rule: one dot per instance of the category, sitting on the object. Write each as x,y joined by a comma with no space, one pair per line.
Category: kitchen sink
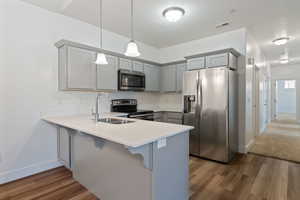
115,121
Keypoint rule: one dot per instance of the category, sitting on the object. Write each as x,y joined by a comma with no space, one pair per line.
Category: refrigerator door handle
201,97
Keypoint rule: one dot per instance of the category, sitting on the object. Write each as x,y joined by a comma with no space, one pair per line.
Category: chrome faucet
97,115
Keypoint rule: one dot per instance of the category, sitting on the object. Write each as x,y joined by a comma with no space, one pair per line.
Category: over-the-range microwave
131,80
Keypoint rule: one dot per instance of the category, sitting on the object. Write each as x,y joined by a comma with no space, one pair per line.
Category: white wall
252,95
298,99
233,39
28,86
286,101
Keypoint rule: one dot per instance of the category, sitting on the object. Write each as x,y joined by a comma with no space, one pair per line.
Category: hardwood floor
249,177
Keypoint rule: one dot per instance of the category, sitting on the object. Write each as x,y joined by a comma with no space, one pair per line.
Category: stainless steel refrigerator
210,105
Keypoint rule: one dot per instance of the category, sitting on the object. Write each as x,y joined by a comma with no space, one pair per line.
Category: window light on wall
290,84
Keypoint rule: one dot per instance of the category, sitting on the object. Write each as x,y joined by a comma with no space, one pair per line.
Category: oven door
131,80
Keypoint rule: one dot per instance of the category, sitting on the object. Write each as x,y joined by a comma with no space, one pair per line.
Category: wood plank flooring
249,177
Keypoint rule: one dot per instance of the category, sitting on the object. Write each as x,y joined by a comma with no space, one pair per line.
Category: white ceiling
265,19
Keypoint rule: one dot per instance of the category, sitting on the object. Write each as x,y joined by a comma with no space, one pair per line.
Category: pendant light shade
132,49
101,58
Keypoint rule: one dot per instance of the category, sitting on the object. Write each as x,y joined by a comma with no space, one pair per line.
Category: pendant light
101,58
132,48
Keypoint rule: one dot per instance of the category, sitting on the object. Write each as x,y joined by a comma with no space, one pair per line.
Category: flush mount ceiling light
284,61
101,58
132,49
281,41
173,14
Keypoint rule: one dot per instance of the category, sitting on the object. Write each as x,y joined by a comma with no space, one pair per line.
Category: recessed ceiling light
281,41
173,14
284,61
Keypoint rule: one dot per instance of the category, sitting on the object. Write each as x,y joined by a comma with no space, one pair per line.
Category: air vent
222,25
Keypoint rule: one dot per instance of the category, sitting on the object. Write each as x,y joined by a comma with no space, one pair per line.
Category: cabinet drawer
196,63
174,115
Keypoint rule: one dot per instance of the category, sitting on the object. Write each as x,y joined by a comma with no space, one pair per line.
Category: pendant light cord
101,24
132,34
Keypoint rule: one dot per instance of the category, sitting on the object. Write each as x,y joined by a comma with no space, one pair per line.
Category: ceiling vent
222,25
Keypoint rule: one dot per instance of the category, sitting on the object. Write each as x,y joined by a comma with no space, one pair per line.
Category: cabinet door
218,60
107,75
168,78
64,144
181,68
138,66
152,77
125,64
196,63
81,69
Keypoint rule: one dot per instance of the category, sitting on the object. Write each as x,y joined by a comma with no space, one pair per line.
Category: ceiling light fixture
284,61
281,41
173,14
101,58
132,49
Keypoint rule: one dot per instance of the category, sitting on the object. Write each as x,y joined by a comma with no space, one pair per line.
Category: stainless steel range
130,106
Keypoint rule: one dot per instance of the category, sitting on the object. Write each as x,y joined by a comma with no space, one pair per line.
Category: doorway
281,138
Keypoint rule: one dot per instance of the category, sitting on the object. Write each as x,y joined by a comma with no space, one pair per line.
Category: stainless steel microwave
131,80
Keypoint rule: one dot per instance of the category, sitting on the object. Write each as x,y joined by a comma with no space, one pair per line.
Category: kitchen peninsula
133,159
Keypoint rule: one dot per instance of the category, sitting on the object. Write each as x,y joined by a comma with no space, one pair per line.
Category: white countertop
135,134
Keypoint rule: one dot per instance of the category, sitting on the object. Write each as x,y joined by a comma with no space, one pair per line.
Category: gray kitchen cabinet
80,69
168,117
168,78
223,59
152,78
125,64
64,147
107,75
196,63
138,66
181,68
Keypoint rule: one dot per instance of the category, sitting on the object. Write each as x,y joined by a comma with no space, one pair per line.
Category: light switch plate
161,143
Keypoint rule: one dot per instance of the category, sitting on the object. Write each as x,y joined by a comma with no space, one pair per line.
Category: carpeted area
280,140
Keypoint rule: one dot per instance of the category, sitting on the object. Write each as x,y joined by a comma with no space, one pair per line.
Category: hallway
280,140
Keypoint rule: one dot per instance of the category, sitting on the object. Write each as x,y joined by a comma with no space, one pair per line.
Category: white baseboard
13,175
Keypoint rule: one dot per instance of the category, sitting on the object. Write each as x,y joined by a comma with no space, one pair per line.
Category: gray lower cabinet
152,78
168,78
125,64
64,147
78,71
107,75
168,117
181,68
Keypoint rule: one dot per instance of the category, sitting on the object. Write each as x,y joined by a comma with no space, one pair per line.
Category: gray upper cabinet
168,78
181,68
152,78
78,70
196,63
107,75
217,60
138,66
125,64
